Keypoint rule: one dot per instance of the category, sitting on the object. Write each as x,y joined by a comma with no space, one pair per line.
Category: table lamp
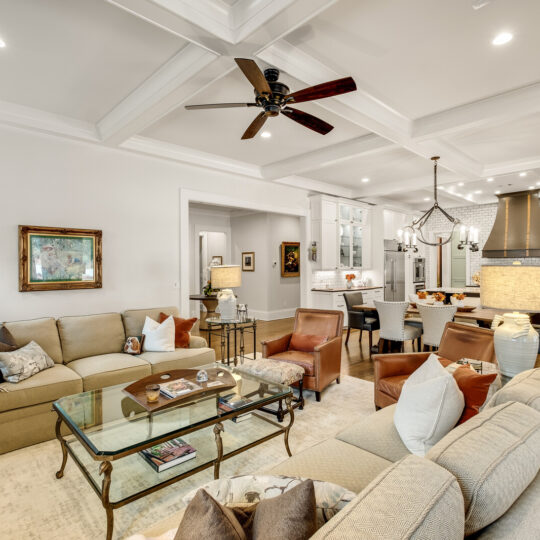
513,287
225,278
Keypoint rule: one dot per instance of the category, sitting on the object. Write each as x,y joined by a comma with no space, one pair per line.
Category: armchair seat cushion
393,385
304,359
110,369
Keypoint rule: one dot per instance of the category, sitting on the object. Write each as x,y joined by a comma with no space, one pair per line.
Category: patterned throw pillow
24,362
134,345
246,490
7,343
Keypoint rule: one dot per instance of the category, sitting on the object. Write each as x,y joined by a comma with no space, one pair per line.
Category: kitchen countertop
344,289
453,290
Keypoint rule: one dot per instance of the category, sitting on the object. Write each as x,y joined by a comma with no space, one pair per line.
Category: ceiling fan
274,98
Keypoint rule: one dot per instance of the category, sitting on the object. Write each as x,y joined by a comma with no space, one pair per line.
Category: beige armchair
323,365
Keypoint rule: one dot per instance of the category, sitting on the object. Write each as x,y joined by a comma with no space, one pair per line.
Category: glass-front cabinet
344,245
357,246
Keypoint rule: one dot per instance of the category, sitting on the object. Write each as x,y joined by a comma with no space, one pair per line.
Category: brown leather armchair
323,365
458,341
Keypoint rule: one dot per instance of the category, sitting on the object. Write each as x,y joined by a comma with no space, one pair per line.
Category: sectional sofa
87,352
481,480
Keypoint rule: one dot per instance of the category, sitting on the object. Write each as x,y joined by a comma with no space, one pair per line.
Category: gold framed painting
290,259
248,261
55,258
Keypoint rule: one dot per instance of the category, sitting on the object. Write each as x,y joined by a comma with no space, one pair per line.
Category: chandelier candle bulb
407,238
414,241
400,235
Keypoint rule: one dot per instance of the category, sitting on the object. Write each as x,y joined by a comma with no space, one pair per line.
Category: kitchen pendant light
419,228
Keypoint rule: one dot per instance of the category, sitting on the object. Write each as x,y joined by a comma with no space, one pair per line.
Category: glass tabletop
110,422
218,320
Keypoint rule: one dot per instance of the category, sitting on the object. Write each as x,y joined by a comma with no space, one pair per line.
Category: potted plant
439,298
458,299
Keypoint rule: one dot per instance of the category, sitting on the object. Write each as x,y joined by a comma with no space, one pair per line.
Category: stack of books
178,388
233,402
168,454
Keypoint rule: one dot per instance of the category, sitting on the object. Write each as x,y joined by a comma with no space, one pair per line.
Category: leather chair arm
327,359
275,346
390,365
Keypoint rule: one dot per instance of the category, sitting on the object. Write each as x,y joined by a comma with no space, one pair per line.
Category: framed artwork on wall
55,258
217,260
248,261
290,259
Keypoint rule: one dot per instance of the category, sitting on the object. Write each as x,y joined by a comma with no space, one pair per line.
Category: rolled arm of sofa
197,342
390,365
275,346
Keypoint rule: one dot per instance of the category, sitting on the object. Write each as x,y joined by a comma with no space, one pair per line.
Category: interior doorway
212,252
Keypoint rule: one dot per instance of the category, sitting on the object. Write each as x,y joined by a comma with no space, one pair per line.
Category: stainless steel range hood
516,231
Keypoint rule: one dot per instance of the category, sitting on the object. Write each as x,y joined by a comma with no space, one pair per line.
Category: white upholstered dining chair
434,319
393,327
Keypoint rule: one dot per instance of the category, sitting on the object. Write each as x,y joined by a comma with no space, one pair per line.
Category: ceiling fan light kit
274,97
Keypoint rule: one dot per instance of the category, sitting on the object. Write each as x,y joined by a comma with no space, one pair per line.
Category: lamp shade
225,277
512,287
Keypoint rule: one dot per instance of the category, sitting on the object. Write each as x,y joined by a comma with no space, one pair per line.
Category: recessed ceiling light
522,174
469,195
489,180
266,134
478,191
426,198
365,180
538,183
2,43
442,187
502,38
497,192
531,187
461,184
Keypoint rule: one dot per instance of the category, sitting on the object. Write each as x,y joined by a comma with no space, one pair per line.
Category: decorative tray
466,309
137,390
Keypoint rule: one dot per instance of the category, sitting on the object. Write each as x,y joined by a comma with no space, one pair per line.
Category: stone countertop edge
344,289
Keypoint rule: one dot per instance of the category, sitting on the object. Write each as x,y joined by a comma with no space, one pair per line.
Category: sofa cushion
520,521
43,387
134,318
42,331
304,359
91,335
109,369
334,461
178,359
197,342
524,387
377,434
413,499
494,456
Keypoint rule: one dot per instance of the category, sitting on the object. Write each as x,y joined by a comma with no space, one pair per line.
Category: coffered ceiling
430,81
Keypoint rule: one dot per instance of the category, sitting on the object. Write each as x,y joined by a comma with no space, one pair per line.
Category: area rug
35,505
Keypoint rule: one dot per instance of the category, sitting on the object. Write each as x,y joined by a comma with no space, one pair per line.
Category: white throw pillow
429,406
158,337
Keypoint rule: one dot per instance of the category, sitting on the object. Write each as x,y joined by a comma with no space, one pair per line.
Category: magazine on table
168,454
178,388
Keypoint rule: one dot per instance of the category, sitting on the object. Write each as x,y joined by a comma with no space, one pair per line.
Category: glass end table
223,328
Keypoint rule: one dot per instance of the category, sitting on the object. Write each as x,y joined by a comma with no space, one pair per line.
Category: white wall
134,199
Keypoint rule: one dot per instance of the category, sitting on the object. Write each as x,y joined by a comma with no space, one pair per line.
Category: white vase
226,305
516,344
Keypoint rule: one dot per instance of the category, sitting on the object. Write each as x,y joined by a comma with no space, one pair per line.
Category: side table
238,328
210,303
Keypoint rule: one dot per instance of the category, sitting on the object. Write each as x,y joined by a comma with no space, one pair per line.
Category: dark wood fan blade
220,106
255,126
308,120
254,75
324,90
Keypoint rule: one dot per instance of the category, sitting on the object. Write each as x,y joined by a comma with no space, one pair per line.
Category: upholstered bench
276,372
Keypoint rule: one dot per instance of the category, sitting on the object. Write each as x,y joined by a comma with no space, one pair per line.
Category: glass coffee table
108,426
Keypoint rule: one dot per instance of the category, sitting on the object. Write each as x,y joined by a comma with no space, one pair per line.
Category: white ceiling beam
316,186
184,75
509,167
175,152
328,155
495,109
21,116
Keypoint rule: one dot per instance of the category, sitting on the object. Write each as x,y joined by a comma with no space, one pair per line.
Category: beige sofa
480,481
87,352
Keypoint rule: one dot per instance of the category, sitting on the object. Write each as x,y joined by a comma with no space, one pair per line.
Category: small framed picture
290,259
217,260
248,261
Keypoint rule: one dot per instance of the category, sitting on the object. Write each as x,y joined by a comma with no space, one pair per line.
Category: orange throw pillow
181,330
305,342
475,388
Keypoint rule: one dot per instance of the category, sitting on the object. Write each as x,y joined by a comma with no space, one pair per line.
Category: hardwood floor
354,358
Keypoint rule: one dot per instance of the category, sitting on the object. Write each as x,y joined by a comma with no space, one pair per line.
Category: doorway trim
188,196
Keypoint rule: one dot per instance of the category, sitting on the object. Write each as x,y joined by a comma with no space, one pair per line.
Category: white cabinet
342,230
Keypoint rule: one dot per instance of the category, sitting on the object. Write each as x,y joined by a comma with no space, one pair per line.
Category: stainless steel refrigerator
394,272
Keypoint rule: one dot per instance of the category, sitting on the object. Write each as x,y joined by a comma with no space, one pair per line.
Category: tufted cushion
494,456
411,500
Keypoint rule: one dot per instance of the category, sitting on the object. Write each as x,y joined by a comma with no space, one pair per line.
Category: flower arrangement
350,277
422,295
459,296
439,296
208,291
